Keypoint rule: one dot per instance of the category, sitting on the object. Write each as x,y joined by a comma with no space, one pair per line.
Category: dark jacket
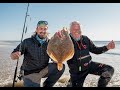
82,55
35,55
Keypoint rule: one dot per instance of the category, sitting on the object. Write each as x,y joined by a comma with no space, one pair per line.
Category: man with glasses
36,60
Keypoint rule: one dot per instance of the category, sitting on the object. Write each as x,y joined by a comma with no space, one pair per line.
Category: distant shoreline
9,41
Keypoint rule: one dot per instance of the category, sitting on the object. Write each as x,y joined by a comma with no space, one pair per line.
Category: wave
113,53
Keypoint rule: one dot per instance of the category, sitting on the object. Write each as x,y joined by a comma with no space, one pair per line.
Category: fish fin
60,66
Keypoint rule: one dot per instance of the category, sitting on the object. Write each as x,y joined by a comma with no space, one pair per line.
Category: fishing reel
20,76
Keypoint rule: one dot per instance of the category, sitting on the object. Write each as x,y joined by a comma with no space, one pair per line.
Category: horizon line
92,40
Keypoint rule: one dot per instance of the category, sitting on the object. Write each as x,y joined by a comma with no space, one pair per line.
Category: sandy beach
7,67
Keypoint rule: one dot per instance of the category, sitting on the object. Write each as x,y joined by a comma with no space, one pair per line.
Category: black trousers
104,71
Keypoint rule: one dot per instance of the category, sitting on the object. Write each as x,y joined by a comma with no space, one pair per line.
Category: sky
99,21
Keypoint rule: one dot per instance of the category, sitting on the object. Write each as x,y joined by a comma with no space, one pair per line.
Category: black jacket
35,55
82,56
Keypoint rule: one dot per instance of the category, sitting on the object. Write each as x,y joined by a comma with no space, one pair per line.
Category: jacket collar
74,39
36,41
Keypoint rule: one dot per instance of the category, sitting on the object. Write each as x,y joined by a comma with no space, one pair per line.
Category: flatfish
60,49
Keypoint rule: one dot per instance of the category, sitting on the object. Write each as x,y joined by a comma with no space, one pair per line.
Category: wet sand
7,69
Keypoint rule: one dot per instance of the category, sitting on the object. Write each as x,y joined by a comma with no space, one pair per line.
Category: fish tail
60,66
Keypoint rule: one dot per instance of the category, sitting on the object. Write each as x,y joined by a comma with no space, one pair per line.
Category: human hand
15,55
111,45
60,33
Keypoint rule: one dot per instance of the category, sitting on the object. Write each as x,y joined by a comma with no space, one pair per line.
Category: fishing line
15,73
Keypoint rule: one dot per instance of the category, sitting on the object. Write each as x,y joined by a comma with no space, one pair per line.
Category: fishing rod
15,73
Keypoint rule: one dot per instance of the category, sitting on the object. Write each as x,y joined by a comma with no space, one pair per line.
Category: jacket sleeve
22,50
96,50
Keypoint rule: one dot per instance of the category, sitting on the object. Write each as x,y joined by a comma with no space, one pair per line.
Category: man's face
75,29
42,31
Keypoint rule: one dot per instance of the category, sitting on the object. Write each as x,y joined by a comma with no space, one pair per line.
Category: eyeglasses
42,22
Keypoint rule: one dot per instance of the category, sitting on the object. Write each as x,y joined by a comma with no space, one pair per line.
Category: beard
76,35
42,35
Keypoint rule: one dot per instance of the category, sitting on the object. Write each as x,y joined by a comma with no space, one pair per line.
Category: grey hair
74,22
